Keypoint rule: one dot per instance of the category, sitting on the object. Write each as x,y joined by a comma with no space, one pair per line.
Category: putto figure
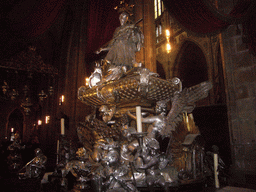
151,161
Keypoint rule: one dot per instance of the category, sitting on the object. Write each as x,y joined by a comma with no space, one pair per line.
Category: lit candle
62,126
138,117
215,158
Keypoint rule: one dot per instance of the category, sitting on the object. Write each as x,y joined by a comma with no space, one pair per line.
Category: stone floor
203,186
189,188
234,189
15,185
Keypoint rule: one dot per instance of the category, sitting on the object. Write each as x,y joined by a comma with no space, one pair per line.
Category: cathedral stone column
145,10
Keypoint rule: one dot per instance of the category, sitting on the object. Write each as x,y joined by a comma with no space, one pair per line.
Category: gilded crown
124,7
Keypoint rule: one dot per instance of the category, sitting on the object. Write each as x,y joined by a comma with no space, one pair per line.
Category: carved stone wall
232,69
240,67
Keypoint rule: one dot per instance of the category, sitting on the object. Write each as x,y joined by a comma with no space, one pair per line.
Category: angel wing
184,101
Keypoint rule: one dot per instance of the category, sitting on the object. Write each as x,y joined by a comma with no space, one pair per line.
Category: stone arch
15,120
190,65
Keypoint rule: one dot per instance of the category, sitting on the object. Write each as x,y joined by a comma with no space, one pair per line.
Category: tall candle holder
139,136
63,151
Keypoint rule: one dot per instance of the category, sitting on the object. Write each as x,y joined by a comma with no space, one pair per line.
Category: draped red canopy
200,17
36,17
194,15
103,19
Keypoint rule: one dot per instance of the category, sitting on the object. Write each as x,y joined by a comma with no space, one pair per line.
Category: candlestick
62,126
58,147
138,117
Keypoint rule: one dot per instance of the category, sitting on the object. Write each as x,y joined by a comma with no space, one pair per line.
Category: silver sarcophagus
138,86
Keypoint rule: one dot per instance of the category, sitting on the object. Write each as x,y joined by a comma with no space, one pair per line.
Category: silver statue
36,167
124,159
126,41
113,176
150,163
96,76
80,168
107,112
183,101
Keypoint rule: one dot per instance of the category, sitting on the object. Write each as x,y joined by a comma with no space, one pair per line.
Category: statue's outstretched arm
151,119
150,164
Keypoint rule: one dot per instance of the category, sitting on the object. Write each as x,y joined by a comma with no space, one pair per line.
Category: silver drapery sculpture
126,41
125,159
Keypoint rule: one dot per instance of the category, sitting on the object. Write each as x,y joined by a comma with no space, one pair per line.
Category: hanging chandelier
26,105
42,95
9,93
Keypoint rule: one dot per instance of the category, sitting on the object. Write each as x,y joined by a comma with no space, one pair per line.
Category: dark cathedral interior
139,95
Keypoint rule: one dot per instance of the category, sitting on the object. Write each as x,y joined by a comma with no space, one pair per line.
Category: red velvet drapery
31,19
194,15
38,17
198,17
102,22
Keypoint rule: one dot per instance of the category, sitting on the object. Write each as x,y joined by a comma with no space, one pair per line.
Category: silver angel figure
183,101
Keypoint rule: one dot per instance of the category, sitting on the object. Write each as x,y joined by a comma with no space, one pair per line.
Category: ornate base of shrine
189,186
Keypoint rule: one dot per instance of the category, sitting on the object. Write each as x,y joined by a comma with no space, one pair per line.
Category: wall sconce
168,34
168,45
26,105
87,81
39,122
47,119
61,99
51,90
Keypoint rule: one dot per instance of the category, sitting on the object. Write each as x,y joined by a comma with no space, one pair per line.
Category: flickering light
168,34
47,119
168,47
61,99
87,81
12,130
39,122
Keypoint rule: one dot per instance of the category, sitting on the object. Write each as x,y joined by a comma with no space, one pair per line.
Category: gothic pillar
145,10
